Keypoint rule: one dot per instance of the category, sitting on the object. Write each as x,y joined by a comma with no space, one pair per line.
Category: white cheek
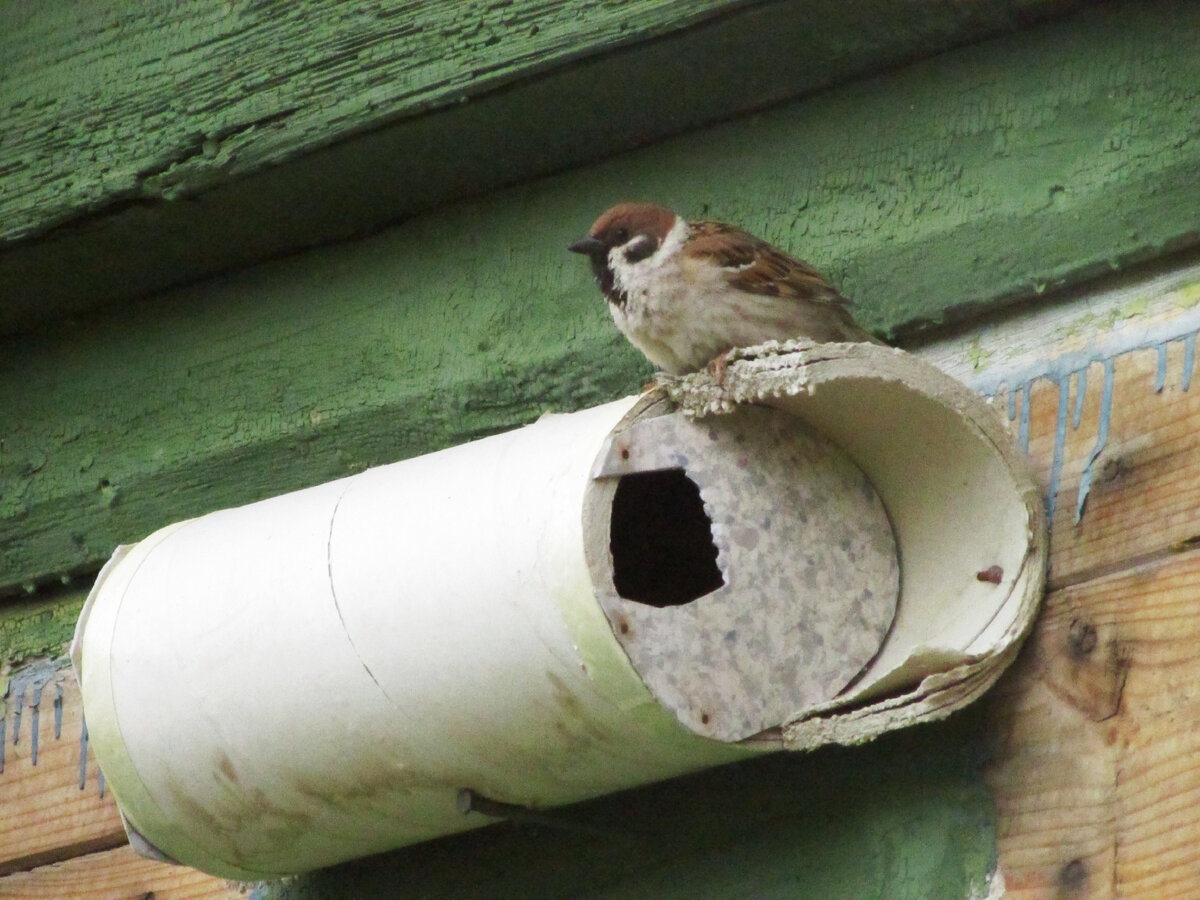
635,279
644,276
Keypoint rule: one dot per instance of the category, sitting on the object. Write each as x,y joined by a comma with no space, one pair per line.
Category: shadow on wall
906,816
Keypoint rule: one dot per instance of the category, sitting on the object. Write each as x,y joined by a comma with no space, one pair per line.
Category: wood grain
1103,394
118,873
307,368
1097,724
1144,488
293,126
48,814
1097,769
199,90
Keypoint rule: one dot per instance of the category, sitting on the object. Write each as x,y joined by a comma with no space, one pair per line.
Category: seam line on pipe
337,605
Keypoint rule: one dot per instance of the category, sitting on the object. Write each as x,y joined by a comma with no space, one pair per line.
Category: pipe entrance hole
661,540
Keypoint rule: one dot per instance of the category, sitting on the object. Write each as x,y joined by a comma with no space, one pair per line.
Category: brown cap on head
637,227
623,221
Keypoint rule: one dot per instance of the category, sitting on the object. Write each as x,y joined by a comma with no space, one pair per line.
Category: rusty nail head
992,575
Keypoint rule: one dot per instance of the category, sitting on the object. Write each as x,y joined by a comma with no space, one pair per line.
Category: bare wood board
1097,725
51,790
1097,774
118,873
1099,392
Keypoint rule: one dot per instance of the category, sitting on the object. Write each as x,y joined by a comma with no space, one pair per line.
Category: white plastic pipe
315,677
592,602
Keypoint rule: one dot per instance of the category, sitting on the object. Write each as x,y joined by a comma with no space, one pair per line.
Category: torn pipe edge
937,676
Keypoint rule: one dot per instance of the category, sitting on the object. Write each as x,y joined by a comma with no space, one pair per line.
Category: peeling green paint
1091,322
977,354
1188,297
39,626
223,121
918,192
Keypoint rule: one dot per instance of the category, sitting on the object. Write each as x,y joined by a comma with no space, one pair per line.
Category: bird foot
717,365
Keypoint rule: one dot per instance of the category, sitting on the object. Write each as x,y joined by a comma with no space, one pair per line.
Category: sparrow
686,293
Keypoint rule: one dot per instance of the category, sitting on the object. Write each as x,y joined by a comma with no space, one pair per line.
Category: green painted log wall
153,143
990,173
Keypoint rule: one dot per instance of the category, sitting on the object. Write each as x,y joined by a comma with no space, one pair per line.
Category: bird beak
588,246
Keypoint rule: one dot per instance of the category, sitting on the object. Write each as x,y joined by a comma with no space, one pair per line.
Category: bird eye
622,235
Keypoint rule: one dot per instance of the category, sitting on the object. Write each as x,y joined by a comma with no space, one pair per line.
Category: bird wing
756,267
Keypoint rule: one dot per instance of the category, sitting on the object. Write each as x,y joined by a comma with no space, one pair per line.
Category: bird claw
717,365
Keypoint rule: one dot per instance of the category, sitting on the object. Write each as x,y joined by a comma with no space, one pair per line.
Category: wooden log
339,358
1102,396
351,119
54,805
117,873
1097,768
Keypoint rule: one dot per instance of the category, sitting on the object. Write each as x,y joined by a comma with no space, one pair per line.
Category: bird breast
657,299
682,312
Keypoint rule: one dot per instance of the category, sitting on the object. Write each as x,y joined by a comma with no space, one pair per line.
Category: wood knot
1072,878
1184,544
1081,639
1113,470
1084,664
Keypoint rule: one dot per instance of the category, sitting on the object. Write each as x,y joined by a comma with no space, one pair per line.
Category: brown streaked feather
757,267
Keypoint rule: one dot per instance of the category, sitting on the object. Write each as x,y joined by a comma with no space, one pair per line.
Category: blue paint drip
1189,359
100,779
83,744
36,706
1023,428
1077,363
1085,480
58,711
1106,346
32,679
1080,392
1060,440
38,689
18,712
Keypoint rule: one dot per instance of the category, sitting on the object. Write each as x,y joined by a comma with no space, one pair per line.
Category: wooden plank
53,808
1053,781
298,125
1094,776
1097,768
1102,395
1141,450
199,90
314,366
118,873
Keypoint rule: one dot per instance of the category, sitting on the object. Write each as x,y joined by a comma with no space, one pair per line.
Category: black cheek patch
640,248
604,278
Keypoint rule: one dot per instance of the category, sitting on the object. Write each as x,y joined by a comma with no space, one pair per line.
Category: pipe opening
661,540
